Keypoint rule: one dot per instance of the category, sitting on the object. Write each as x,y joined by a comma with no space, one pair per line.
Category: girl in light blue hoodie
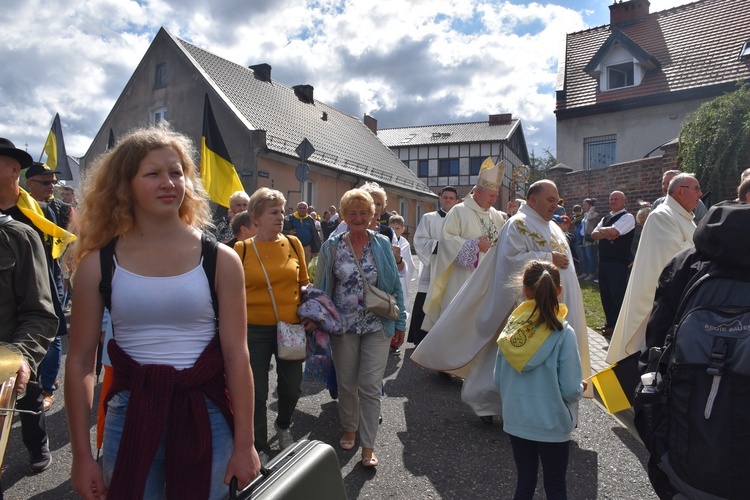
538,373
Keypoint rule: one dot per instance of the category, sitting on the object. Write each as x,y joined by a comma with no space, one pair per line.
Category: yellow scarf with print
60,237
520,339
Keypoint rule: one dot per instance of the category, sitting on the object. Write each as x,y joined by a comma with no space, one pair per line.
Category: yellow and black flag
217,172
617,383
57,158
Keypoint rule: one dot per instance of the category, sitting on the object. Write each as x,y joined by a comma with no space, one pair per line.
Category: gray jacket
27,316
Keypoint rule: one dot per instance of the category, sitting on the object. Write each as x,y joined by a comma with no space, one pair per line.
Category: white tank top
162,320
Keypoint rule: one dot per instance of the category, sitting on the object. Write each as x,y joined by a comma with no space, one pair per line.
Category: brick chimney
501,119
630,10
262,72
304,93
371,123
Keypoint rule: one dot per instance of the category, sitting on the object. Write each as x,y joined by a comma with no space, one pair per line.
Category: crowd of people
184,379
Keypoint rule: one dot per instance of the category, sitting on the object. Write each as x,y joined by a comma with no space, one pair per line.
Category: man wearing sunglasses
41,182
668,230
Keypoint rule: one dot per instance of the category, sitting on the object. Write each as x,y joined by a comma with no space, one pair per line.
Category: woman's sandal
346,444
371,462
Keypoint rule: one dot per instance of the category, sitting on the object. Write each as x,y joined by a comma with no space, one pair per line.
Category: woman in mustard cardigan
284,260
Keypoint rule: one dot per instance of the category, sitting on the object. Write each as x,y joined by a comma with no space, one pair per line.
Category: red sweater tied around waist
161,396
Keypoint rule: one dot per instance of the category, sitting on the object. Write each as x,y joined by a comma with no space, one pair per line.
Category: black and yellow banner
217,171
57,157
617,383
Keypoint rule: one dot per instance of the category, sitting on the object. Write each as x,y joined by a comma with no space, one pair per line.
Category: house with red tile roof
625,88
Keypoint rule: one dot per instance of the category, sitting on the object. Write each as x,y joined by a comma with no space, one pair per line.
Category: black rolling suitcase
307,470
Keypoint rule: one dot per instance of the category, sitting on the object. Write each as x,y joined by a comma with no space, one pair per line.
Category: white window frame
308,192
403,210
619,56
744,51
158,115
617,68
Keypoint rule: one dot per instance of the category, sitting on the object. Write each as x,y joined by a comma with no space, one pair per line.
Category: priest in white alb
426,243
469,230
462,342
668,230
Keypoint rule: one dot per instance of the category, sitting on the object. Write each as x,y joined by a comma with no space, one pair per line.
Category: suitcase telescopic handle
233,483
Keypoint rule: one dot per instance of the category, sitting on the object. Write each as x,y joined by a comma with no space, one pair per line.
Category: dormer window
745,51
620,75
620,63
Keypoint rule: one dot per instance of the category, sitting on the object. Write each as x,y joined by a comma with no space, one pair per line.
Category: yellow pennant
59,236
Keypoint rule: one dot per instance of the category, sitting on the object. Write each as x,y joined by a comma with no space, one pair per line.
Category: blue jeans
49,368
589,259
223,445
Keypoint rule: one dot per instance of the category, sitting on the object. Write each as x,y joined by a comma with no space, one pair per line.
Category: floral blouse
349,291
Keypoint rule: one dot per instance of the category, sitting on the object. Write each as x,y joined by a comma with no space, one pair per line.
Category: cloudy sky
406,62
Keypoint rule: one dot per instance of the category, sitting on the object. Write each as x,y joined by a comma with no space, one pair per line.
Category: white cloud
409,62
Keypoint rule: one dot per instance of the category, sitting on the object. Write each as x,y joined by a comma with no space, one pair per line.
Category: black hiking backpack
695,418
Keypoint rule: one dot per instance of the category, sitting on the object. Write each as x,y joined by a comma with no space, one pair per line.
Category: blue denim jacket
388,279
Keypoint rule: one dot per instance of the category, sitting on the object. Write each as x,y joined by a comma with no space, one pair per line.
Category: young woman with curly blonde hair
170,425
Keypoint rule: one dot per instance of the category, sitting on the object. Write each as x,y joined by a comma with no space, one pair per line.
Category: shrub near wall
638,179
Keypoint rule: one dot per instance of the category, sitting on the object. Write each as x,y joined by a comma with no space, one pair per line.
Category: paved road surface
430,446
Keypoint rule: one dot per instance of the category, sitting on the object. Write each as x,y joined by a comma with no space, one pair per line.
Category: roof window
408,138
745,51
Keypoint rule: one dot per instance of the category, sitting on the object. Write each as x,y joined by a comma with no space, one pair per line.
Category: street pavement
430,445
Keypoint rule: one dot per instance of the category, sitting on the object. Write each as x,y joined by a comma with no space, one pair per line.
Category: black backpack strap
690,289
209,252
107,263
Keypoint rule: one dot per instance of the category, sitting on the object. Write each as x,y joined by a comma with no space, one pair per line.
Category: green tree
539,165
715,142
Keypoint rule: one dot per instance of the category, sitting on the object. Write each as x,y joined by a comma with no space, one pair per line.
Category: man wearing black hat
41,183
27,316
33,426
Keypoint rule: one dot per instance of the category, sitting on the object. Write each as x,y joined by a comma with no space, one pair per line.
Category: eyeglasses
44,183
697,189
